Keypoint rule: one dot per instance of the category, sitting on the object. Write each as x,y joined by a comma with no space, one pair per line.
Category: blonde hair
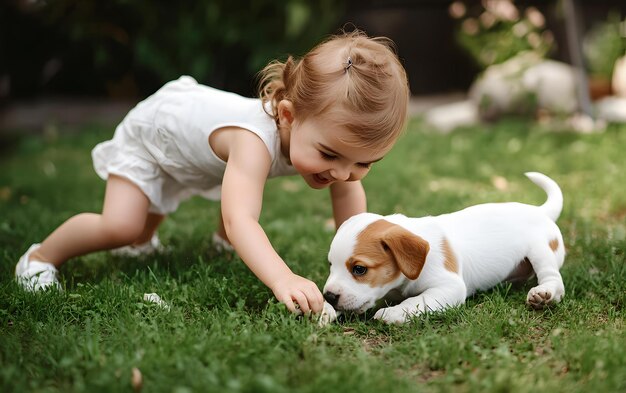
354,80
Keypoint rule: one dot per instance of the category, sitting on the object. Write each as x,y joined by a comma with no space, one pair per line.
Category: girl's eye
363,165
327,156
359,270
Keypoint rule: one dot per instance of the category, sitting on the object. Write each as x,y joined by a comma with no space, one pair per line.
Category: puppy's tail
553,206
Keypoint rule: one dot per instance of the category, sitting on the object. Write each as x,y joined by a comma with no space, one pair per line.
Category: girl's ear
285,113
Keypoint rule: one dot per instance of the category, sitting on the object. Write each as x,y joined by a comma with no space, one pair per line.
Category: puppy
432,263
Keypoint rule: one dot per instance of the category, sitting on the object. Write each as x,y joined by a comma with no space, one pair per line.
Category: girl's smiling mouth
319,179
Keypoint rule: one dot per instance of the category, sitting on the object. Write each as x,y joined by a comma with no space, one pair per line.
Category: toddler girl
327,117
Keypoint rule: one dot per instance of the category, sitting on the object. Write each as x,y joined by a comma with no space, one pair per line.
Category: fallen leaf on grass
136,379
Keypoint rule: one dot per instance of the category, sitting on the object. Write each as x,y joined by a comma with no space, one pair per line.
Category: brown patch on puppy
449,262
387,250
554,244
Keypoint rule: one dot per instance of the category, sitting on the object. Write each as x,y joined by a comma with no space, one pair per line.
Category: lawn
225,332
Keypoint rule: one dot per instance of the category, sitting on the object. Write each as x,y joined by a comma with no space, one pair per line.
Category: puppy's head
369,257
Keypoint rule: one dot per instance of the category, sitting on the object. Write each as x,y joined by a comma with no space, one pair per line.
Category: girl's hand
293,289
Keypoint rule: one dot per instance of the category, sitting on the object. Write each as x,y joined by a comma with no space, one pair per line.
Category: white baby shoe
221,244
36,275
150,247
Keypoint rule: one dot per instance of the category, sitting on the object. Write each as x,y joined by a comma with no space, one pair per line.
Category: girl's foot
36,275
135,250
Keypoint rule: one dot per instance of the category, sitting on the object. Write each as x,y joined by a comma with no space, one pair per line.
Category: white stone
518,84
447,117
499,90
554,85
611,109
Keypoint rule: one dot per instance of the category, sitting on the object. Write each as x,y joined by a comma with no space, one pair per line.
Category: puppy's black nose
331,298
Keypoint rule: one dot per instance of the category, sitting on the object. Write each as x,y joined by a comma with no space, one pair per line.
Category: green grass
225,332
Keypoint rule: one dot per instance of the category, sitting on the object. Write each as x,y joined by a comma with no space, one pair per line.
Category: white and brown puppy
431,263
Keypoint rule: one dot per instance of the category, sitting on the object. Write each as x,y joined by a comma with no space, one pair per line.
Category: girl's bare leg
122,221
152,224
221,230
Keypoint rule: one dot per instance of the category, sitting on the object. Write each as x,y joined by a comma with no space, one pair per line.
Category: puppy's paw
327,316
395,314
542,296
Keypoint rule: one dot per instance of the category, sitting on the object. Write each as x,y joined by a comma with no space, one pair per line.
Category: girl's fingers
316,300
286,300
302,301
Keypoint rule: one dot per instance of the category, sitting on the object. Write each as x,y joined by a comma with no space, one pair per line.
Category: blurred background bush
129,48
604,43
124,48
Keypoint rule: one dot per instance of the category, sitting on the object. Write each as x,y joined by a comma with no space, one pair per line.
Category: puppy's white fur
431,263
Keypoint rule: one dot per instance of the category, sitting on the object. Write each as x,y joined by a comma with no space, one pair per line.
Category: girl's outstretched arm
348,199
248,165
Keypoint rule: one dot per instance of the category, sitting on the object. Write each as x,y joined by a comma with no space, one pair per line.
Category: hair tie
348,64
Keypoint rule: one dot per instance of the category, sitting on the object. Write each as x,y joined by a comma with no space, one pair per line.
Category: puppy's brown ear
408,250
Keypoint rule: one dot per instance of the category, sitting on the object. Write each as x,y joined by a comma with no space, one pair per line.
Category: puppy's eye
359,270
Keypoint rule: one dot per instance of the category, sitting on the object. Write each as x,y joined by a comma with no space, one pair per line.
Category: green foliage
225,333
604,44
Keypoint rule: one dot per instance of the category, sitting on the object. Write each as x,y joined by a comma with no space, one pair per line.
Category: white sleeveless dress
162,145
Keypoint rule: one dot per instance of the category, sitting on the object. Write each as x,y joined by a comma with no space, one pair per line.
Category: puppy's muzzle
331,298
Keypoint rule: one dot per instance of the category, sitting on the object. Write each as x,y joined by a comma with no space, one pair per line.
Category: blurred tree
130,48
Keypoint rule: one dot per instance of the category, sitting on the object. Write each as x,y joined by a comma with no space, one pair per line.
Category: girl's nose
340,173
